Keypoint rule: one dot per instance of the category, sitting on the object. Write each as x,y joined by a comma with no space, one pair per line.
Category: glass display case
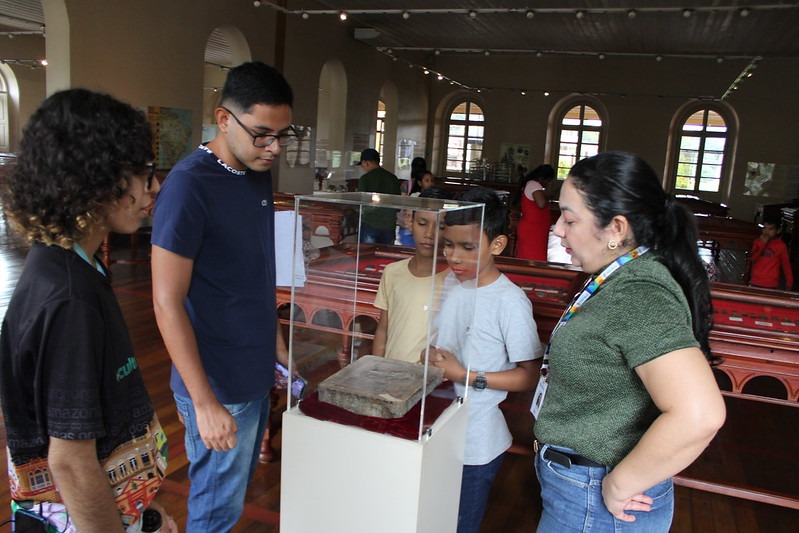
376,415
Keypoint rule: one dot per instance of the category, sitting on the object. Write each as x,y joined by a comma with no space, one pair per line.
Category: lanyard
590,288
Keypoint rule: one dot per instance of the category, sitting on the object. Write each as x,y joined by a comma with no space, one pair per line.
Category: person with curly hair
74,400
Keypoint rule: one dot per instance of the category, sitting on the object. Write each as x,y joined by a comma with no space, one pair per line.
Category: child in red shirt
769,254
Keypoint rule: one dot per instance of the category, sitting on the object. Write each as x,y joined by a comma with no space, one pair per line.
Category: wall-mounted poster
171,134
771,180
405,149
298,154
515,155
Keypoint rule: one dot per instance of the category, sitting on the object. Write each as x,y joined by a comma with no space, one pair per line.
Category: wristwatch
480,382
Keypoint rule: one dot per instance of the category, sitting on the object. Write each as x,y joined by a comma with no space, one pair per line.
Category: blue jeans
475,488
219,480
573,501
374,235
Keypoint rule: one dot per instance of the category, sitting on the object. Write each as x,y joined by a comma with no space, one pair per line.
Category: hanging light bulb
343,15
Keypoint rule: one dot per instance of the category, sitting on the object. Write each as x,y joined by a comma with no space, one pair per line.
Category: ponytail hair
621,183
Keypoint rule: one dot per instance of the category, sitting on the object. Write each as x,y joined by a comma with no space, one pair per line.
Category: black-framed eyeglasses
262,140
150,170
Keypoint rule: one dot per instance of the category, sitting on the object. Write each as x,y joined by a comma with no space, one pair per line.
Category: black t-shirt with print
67,368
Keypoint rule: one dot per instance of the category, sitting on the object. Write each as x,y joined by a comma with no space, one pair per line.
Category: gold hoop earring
612,245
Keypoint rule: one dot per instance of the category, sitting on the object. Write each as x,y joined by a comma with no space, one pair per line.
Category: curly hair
76,157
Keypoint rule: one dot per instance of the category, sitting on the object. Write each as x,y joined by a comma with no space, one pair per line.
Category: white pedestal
342,479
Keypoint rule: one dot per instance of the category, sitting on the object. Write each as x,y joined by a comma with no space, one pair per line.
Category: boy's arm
521,378
281,348
757,248
785,261
381,334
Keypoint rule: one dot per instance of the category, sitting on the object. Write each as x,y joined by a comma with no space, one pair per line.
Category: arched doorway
331,120
226,47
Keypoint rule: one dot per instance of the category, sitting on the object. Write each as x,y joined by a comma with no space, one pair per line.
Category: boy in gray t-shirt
499,348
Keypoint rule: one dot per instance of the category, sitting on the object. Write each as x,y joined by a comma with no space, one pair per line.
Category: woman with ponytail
627,398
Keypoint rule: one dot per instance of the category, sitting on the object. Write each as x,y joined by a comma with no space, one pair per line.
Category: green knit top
596,404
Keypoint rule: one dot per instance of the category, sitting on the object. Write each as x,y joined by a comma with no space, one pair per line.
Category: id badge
538,397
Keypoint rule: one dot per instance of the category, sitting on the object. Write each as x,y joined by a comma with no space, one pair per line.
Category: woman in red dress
532,232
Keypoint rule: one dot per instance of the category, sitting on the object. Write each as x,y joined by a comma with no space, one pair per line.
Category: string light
441,77
406,15
530,14
472,14
342,15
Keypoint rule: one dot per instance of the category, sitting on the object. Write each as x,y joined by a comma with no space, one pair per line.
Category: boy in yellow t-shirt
404,294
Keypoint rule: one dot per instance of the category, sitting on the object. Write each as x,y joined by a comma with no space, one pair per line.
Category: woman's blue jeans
573,501
219,480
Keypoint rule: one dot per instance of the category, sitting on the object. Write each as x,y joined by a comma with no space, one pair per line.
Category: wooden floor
759,444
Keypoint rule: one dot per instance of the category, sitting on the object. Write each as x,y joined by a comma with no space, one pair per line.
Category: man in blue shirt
213,265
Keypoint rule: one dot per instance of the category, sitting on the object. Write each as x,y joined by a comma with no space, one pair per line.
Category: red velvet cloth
406,427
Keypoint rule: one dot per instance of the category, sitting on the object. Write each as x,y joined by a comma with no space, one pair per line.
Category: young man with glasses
213,265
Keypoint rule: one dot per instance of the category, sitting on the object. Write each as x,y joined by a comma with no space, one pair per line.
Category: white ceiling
732,29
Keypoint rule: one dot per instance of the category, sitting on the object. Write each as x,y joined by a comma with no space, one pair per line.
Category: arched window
700,158
380,128
579,135
465,131
5,142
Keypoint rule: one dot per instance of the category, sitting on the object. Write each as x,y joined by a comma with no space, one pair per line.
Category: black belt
563,458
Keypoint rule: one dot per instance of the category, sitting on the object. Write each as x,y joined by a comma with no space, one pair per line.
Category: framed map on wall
171,134
771,180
